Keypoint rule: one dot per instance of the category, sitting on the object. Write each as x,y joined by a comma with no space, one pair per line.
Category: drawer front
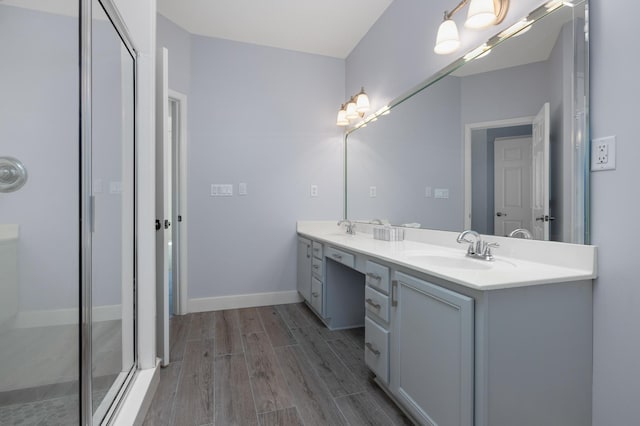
376,351
376,304
316,295
316,268
377,276
340,256
317,250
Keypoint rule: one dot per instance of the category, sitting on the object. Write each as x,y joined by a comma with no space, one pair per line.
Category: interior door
512,184
163,203
541,174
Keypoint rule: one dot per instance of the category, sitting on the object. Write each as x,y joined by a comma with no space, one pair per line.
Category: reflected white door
163,206
512,184
541,174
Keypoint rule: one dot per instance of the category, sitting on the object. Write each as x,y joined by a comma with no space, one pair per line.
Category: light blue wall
615,204
397,54
178,42
266,117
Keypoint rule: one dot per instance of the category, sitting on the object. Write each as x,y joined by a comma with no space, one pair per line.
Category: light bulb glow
351,112
447,40
342,118
362,102
482,14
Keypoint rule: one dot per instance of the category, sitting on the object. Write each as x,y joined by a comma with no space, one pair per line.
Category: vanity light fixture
342,117
355,108
481,14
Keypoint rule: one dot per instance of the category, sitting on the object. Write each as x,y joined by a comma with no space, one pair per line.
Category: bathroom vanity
455,340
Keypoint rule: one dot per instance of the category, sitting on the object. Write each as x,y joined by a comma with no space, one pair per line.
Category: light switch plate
221,190
603,153
373,191
441,193
242,188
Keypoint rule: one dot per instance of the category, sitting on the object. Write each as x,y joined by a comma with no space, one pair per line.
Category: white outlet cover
428,192
314,190
373,191
608,160
242,188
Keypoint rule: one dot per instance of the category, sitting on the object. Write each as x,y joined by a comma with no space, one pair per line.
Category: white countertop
518,262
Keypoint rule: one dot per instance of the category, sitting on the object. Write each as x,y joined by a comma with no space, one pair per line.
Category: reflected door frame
179,208
468,129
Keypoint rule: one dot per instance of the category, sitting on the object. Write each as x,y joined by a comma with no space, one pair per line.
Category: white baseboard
220,303
45,318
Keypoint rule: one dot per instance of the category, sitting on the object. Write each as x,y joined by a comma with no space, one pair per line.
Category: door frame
468,128
182,287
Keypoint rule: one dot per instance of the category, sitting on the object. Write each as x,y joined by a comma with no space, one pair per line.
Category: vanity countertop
517,263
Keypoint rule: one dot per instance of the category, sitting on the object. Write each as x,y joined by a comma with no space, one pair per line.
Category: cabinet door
304,268
317,295
432,351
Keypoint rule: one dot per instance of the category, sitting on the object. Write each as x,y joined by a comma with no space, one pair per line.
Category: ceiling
325,27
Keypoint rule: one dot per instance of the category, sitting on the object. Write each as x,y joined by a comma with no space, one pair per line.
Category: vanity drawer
377,276
376,304
316,268
340,256
317,250
376,350
316,295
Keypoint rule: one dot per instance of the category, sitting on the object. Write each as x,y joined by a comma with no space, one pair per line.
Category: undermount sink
461,262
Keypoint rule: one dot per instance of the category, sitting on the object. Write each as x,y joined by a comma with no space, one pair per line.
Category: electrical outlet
314,190
242,188
373,191
603,153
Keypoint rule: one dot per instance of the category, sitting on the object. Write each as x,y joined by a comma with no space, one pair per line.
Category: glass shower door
113,234
39,220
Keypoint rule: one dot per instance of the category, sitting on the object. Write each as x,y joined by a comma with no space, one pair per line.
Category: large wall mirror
495,142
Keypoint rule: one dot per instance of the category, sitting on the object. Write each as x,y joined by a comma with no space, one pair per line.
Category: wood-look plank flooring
268,366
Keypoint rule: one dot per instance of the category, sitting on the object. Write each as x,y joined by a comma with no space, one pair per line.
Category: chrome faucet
351,227
521,231
477,248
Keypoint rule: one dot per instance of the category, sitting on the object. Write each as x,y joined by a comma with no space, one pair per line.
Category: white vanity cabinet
432,351
304,264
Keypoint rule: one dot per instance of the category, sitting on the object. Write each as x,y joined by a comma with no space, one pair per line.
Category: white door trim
181,307
468,128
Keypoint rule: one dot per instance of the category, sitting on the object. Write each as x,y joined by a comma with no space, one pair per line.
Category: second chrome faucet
477,248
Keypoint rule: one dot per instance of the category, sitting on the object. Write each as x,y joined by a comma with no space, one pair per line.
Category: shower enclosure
67,210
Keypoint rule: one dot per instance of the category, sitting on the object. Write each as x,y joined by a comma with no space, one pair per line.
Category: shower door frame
87,207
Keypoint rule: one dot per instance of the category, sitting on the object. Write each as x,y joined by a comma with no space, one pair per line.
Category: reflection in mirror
112,254
497,144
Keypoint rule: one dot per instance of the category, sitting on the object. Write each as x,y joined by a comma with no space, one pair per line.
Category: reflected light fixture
354,108
481,14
